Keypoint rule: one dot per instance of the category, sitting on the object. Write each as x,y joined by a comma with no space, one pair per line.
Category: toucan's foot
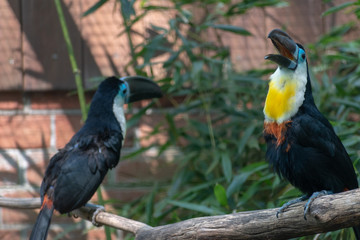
312,198
289,203
98,210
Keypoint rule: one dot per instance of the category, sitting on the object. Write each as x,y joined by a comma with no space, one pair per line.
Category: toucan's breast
280,98
285,96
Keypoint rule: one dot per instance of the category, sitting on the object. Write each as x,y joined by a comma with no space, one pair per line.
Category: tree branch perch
327,213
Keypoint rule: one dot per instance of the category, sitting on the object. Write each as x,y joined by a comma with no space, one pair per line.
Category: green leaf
137,152
195,207
244,139
127,8
226,166
149,207
94,7
196,69
213,164
173,130
220,194
231,28
337,8
171,59
240,179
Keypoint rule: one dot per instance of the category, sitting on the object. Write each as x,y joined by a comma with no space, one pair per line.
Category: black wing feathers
77,170
316,160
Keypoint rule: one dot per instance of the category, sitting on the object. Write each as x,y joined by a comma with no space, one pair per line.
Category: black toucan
301,143
77,170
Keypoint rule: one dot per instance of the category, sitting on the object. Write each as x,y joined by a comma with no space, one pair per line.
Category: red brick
9,168
97,234
13,216
56,100
20,194
11,101
165,101
153,120
121,195
35,175
130,137
140,170
25,131
66,127
37,162
10,234
170,101
55,231
17,216
9,178
146,126
78,234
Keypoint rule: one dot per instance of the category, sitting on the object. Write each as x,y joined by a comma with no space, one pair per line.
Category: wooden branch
327,213
20,203
109,219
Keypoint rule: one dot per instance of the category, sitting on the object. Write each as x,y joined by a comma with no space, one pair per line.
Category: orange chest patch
277,130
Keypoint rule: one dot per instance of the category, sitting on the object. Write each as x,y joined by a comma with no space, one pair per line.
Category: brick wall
33,126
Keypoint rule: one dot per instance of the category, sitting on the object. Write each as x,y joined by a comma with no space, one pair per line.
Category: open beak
288,49
141,88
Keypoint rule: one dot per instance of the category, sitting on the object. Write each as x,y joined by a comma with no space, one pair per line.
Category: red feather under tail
41,227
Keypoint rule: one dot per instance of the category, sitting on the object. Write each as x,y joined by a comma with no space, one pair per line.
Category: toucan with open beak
76,171
302,146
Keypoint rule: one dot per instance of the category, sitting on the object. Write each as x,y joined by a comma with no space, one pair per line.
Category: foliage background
221,167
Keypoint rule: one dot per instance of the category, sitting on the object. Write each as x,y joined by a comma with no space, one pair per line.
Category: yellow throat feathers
280,98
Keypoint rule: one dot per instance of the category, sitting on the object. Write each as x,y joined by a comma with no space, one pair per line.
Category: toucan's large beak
287,48
141,88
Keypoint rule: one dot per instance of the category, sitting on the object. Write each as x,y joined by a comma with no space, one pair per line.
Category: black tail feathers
357,232
42,224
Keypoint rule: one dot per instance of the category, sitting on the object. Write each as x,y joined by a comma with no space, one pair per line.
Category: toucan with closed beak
77,170
302,145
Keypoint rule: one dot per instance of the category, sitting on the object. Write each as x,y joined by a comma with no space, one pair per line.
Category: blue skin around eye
301,53
124,91
122,88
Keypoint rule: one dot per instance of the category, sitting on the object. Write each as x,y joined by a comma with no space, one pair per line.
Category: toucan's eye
123,90
303,56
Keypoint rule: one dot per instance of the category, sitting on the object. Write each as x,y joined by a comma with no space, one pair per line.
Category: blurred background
199,150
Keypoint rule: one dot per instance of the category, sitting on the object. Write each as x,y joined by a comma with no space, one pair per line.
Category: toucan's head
127,89
137,88
114,92
288,83
291,54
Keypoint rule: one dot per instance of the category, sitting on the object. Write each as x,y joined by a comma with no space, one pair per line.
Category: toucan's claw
289,203
98,210
303,198
312,198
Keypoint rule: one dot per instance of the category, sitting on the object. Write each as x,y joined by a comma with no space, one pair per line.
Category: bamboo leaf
94,7
195,207
127,8
337,8
226,166
220,194
231,28
240,179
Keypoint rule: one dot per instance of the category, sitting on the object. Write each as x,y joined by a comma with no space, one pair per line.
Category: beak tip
142,88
